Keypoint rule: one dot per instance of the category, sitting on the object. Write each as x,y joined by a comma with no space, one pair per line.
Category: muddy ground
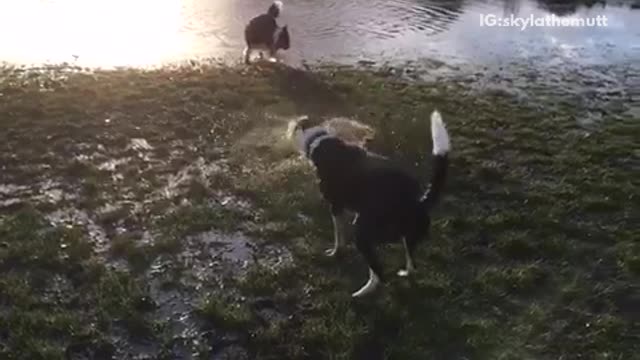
163,214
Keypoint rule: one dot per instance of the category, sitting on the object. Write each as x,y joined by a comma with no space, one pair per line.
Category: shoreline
596,88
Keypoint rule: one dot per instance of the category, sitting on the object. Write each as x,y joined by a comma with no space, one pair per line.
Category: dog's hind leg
365,242
339,229
409,248
410,240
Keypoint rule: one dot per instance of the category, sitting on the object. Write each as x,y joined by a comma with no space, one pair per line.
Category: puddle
11,194
139,144
52,192
199,170
231,247
48,191
207,263
236,252
112,164
57,290
589,88
234,202
71,217
7,203
175,181
11,189
209,259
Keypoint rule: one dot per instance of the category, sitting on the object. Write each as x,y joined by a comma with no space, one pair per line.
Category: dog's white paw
331,252
369,287
364,291
403,273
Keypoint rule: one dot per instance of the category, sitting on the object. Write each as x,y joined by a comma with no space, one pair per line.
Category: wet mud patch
206,266
71,217
240,251
46,193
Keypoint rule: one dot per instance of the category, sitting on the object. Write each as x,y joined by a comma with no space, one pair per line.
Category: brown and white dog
390,203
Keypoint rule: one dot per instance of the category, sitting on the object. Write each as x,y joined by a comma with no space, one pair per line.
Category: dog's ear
299,138
295,131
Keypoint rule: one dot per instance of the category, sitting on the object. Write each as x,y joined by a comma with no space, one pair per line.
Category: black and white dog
389,202
263,33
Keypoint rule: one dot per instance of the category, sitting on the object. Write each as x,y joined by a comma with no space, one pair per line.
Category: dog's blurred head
283,40
306,133
275,9
351,131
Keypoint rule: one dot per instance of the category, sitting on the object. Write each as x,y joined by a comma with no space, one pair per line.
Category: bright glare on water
107,33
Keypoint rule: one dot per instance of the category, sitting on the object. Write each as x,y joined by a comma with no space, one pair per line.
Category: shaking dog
263,33
390,202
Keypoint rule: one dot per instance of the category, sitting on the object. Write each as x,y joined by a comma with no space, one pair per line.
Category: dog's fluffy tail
275,9
441,148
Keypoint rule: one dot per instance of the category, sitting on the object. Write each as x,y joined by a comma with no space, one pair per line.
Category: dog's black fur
263,32
390,201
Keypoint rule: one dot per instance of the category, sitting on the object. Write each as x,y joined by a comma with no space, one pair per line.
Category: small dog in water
263,33
389,202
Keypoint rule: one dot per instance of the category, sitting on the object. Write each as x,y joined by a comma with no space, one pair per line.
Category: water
589,66
108,33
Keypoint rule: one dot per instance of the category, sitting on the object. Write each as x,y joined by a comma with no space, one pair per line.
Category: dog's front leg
339,229
272,54
366,231
247,54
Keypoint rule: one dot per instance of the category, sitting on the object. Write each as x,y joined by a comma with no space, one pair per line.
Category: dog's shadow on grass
410,326
309,93
406,315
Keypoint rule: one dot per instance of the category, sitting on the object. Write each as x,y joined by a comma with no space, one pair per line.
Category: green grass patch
54,292
225,315
533,251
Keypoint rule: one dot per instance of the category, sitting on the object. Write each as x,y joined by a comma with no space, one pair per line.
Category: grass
55,295
223,314
533,253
